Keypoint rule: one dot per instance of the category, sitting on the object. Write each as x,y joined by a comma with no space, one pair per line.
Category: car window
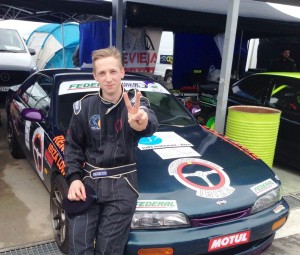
168,110
37,95
286,95
11,41
252,87
65,102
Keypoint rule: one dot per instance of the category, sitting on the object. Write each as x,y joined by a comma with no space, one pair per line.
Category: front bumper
196,241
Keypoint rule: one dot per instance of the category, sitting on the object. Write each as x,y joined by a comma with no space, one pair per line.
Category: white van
165,56
16,63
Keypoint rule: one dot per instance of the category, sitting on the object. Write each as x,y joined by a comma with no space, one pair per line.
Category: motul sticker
223,242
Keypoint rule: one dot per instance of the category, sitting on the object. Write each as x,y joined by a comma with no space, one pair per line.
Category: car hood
203,174
15,61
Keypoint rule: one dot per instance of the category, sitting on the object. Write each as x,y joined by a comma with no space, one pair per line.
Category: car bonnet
199,172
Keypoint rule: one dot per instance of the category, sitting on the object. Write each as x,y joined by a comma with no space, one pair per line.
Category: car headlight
267,200
156,220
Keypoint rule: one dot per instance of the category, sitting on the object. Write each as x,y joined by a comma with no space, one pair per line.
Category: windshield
10,41
169,111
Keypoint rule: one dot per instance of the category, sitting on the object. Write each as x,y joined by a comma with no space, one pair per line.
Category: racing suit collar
109,102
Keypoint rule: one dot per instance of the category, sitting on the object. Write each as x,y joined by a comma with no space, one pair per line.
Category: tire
59,190
168,77
13,145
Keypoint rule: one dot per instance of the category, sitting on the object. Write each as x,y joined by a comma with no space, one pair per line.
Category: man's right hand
77,191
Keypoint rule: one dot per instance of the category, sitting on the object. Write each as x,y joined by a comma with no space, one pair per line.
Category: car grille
9,78
200,222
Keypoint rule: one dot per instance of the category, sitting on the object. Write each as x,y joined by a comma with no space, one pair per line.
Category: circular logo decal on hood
208,179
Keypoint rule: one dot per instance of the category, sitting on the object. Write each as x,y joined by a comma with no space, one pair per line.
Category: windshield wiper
4,50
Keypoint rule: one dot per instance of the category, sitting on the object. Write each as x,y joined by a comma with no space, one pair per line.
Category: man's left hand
137,118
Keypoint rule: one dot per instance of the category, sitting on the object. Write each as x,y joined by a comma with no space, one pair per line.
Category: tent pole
227,56
239,57
63,43
118,17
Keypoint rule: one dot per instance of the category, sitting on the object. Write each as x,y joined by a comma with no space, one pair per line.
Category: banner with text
141,48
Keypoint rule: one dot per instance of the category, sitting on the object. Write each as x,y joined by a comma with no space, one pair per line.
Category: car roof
295,75
61,71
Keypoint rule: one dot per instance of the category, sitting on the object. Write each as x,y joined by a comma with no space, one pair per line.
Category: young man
100,153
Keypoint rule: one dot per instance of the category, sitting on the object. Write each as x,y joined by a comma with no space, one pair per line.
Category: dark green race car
200,192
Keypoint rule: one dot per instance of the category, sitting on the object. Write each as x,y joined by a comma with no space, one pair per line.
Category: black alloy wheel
59,191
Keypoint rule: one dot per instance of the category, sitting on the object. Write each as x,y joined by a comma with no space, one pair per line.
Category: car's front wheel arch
13,145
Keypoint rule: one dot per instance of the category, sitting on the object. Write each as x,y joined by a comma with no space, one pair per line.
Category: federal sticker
209,180
161,140
156,205
264,187
78,86
178,152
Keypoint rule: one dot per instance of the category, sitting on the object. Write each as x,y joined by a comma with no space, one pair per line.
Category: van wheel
59,190
168,77
13,145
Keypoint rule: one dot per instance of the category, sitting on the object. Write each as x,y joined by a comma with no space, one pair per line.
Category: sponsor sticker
27,134
209,180
178,152
144,86
223,242
263,187
156,205
278,209
38,150
69,87
161,140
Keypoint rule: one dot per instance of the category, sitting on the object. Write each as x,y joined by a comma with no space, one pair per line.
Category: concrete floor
24,201
25,205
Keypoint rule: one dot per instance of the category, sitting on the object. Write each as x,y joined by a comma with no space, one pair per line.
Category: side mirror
32,51
32,114
273,100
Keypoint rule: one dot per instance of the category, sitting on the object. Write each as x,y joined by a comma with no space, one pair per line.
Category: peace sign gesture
137,118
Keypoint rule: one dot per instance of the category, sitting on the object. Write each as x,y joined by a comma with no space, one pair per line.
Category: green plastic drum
256,128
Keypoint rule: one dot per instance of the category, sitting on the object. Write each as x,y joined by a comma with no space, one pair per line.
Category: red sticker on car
223,242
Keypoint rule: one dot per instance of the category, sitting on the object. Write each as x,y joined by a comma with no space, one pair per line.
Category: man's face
109,73
286,53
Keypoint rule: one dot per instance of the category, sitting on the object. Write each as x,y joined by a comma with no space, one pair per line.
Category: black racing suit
99,134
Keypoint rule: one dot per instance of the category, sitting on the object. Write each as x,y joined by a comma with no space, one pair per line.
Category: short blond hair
107,52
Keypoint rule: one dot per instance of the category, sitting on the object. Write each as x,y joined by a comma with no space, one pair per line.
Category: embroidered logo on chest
95,122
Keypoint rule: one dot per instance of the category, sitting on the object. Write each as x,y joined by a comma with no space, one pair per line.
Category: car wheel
168,77
13,145
59,190
210,123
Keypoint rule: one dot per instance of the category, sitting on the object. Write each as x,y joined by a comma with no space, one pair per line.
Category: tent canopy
54,44
256,17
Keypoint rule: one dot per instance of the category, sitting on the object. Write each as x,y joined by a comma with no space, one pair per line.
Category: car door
32,134
285,96
252,90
